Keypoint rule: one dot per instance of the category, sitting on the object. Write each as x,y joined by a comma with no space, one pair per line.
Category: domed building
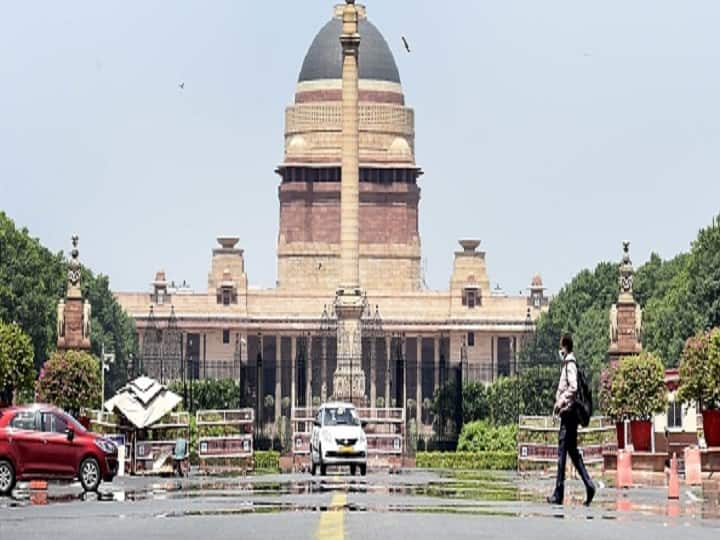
282,342
309,239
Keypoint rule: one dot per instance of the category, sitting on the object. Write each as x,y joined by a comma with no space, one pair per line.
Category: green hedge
492,461
267,461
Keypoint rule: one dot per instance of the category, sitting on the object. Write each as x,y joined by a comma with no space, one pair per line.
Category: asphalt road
412,505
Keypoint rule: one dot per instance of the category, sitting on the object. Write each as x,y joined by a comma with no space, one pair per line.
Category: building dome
323,60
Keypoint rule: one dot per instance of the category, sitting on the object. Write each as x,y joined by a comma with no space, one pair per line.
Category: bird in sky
405,42
181,86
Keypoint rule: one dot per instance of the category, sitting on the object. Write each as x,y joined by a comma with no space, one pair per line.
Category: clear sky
550,130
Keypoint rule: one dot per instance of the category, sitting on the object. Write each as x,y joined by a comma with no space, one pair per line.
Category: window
226,336
471,339
674,415
24,420
471,298
52,423
226,297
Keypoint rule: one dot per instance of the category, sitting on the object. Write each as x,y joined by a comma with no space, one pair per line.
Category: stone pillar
373,372
436,364
278,379
350,179
388,370
626,315
418,385
73,314
349,378
308,371
293,371
323,371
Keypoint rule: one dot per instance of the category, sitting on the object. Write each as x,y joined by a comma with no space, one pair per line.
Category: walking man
565,407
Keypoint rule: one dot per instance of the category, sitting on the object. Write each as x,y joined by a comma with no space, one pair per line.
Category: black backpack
583,398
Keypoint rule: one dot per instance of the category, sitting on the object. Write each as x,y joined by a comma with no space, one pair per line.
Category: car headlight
106,446
325,436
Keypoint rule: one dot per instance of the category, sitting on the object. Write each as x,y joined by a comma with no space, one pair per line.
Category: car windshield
340,416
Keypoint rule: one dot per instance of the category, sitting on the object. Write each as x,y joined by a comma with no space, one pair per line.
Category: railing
225,438
537,441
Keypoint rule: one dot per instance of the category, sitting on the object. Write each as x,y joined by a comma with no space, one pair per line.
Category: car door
57,455
27,440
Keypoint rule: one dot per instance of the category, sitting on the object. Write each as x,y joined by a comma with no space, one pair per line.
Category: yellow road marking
332,521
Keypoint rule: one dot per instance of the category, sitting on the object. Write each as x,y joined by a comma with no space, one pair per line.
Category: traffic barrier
624,469
674,482
693,471
38,492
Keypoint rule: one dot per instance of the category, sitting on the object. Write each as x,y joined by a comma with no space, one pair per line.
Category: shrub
492,461
700,370
482,437
267,461
71,381
638,386
210,394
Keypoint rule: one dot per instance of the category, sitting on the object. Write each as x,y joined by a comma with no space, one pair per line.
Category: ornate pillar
73,314
349,378
626,315
388,369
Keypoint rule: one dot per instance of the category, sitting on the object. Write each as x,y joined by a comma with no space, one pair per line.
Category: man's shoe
554,500
590,496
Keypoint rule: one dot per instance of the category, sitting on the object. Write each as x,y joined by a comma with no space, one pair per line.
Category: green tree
17,373
704,270
475,404
31,283
70,380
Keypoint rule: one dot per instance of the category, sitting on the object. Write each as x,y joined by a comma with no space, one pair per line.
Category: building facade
282,343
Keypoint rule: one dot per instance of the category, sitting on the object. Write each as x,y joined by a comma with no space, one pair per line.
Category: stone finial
74,270
627,273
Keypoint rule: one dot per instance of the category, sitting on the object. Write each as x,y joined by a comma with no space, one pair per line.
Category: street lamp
105,360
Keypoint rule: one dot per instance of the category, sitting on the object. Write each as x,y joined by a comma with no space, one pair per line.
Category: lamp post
105,360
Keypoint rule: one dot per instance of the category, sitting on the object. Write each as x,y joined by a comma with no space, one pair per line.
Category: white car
338,439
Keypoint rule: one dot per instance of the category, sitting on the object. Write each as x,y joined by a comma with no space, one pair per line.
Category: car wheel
313,468
353,470
90,474
323,470
363,470
7,477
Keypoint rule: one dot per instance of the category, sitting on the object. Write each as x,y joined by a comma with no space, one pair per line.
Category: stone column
308,371
278,378
349,378
350,179
293,371
323,371
373,372
418,377
436,364
388,369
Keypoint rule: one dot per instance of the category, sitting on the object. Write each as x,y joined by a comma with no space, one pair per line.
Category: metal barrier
538,444
154,455
384,428
225,439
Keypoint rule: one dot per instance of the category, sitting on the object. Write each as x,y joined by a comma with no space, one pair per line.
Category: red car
41,441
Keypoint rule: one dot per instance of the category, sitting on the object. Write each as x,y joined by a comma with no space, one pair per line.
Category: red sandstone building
282,342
